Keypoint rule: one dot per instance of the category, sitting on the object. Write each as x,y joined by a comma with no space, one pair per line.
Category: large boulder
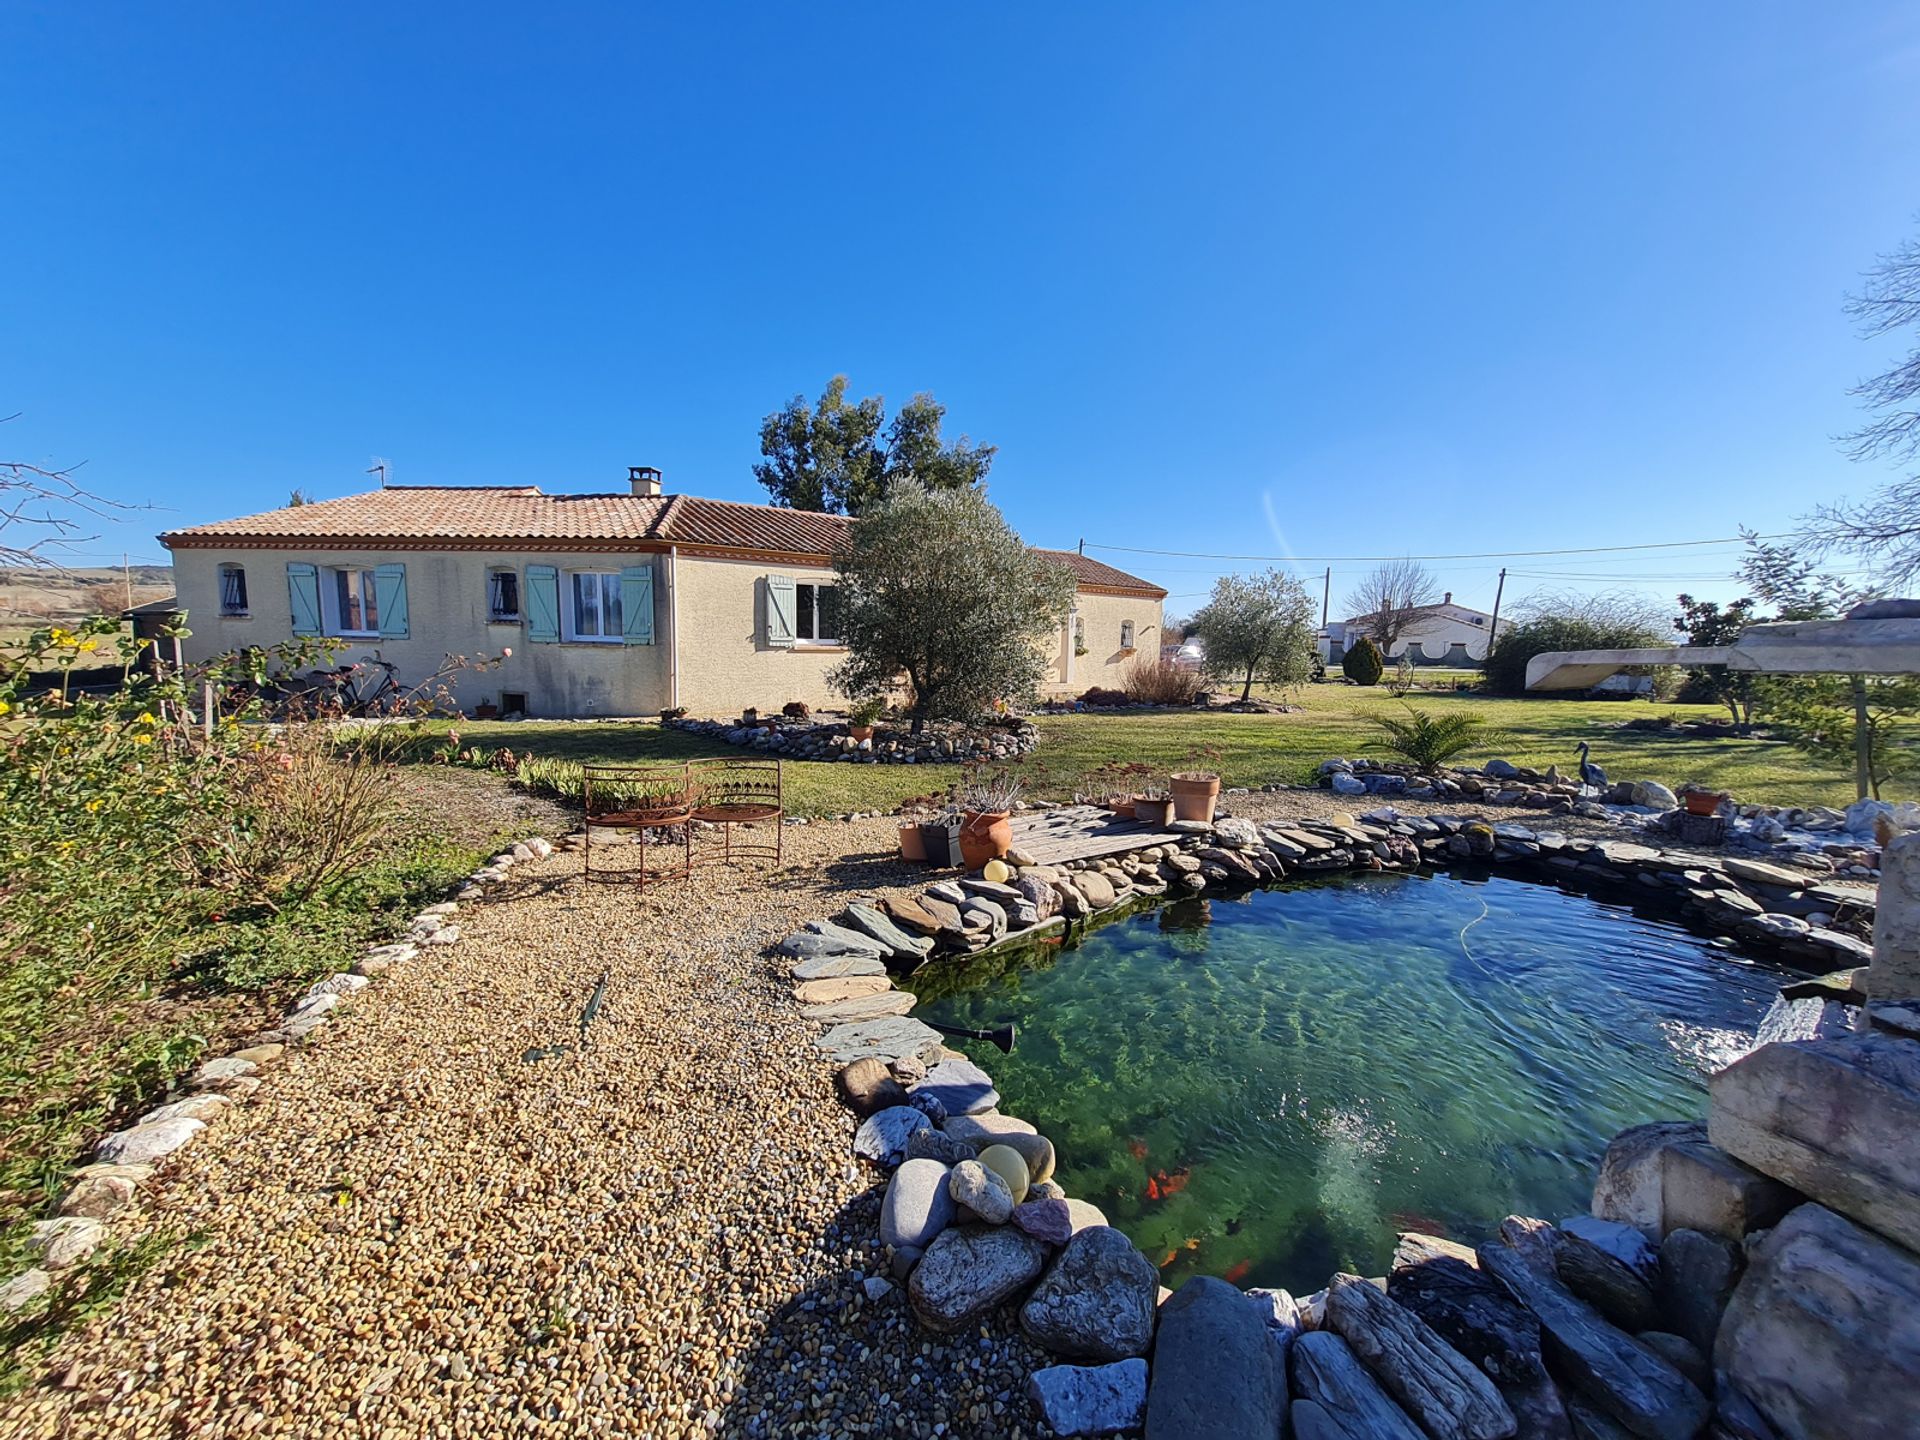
1339,1397
1835,1119
1214,1370
917,1206
1668,1176
1605,1283
1629,1382
1823,1332
883,1135
970,1271
1097,1300
867,1086
1446,1394
1091,1399
982,1191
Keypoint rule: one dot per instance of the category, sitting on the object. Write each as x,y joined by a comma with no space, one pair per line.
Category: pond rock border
1603,1324
107,1188
828,740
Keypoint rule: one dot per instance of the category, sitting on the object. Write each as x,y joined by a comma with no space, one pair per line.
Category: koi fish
1161,1185
1172,1255
1237,1271
1421,1224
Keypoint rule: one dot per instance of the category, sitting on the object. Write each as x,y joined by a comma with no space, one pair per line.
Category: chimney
645,480
1447,599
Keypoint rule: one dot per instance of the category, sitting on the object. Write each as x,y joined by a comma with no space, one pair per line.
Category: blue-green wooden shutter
779,611
390,595
543,603
636,604
303,589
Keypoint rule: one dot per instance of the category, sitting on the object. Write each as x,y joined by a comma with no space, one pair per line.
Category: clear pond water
1269,1087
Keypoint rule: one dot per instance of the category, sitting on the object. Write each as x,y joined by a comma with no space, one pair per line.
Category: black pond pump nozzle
1001,1035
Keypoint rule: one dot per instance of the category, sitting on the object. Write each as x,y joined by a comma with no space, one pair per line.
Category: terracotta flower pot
912,845
486,710
1122,805
1194,796
1703,802
1153,812
860,732
984,835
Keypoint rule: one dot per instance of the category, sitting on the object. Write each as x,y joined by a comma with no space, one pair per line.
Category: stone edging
108,1186
810,740
973,1219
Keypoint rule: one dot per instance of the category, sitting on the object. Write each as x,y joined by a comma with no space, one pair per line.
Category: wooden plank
1083,832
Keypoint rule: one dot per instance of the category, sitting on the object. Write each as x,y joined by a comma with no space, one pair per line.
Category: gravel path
410,1231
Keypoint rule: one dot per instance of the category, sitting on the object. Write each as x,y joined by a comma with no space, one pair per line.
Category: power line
1473,555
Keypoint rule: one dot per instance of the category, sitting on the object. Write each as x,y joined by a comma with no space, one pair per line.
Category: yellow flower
93,805
143,739
4,707
88,645
146,718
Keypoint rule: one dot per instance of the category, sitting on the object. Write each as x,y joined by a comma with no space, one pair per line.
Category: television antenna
383,468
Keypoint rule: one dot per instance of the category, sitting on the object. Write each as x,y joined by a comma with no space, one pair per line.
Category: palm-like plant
1427,741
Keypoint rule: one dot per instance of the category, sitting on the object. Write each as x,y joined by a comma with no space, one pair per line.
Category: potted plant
1196,790
913,844
986,800
1701,801
750,715
861,717
1154,805
940,837
486,710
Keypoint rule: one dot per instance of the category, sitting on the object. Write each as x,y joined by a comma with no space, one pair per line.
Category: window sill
506,620
592,640
820,647
236,615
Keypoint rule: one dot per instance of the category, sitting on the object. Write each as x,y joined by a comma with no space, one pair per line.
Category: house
613,604
1443,634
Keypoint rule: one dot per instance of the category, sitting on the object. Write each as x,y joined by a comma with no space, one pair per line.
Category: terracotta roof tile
469,513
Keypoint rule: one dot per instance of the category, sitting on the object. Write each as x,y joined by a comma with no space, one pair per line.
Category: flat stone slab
1835,1119
1091,1399
961,1087
855,940
871,922
861,1007
1758,872
811,945
892,1038
829,967
841,987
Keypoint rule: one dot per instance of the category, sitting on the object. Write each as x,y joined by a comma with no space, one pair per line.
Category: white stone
66,1241
229,1068
144,1144
1895,974
23,1289
341,984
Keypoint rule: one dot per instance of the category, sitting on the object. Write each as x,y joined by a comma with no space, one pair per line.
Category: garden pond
1269,1086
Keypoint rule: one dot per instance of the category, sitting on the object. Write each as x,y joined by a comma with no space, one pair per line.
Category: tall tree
1884,528
1705,622
937,589
1257,629
1389,599
835,455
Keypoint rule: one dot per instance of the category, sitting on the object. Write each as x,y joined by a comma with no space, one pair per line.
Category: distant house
613,604
1443,634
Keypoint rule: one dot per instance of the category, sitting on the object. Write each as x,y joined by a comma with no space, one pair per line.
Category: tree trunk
1246,690
1862,742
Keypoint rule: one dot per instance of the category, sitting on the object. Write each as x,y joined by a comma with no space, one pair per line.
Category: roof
489,517
1444,607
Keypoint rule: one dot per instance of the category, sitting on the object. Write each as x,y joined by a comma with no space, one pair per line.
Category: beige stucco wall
722,656
725,661
447,615
1105,662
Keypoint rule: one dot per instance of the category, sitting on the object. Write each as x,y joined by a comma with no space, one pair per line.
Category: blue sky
1250,279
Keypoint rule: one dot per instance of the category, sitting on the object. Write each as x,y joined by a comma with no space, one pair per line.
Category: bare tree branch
1388,601
38,498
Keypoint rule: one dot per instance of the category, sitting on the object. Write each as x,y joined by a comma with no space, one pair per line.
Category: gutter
673,627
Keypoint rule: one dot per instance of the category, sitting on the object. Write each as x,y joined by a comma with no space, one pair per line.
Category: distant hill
31,597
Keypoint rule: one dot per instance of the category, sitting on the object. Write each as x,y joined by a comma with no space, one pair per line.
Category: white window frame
241,611
494,574
800,638
1126,634
607,589
369,595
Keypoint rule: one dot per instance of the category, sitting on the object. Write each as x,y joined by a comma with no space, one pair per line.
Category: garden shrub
1103,696
1506,664
1155,680
1363,663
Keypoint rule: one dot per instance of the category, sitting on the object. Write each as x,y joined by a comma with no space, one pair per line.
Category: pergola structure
1881,637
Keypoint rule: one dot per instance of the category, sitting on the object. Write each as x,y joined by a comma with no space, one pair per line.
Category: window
503,595
233,590
355,602
1126,634
817,614
593,609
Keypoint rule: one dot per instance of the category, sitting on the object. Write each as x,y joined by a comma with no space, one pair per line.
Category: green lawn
1253,749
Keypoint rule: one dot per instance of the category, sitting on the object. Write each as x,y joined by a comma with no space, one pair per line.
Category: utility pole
1083,544
1326,597
1494,628
126,571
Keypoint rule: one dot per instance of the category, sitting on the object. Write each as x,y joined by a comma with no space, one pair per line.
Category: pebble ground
410,1231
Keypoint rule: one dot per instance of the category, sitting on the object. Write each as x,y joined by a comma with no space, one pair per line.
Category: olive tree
1257,629
937,590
